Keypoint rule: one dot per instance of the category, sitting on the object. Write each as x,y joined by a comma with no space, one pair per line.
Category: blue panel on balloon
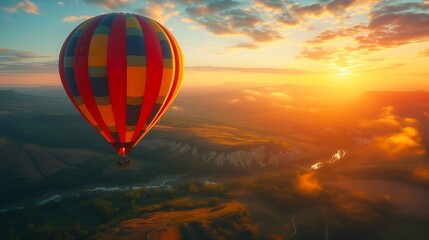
107,21
133,114
136,45
155,110
99,86
71,46
166,50
71,81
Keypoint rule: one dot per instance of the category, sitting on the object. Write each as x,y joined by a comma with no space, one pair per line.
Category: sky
349,45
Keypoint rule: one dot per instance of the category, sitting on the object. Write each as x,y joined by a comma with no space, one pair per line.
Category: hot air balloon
121,71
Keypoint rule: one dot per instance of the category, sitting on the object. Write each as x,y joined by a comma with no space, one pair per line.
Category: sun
343,72
342,78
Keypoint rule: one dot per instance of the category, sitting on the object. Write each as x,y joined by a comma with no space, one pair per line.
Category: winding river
158,182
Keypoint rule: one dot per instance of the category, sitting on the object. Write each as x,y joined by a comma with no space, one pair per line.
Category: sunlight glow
342,72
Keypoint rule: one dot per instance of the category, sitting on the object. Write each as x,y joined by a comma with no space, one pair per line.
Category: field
166,225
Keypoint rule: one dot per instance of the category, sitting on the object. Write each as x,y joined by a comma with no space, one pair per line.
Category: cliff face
256,156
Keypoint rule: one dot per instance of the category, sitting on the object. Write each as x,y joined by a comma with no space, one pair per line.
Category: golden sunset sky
345,44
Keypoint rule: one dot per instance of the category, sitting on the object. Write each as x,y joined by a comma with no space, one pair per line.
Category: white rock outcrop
259,156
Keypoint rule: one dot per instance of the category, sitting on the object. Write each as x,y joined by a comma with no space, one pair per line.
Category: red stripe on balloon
82,75
178,60
117,72
177,74
62,74
154,62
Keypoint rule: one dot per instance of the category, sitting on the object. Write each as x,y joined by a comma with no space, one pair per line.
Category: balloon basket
124,161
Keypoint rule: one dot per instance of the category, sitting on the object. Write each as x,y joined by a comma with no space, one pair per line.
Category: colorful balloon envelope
122,72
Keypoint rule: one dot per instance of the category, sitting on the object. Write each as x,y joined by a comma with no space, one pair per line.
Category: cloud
287,71
230,18
176,108
29,67
397,25
339,5
336,8
23,61
386,120
7,55
252,92
385,8
228,22
281,95
187,2
212,7
395,29
264,21
406,142
323,48
286,18
110,4
187,20
308,183
159,10
75,18
265,35
394,136
60,3
275,13
26,5
313,9
245,46
424,53
317,53
421,173
390,24
270,5
331,34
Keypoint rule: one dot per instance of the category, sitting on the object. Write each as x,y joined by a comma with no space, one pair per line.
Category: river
157,182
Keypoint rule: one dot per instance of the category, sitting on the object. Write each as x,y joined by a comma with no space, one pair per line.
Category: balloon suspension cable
124,161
